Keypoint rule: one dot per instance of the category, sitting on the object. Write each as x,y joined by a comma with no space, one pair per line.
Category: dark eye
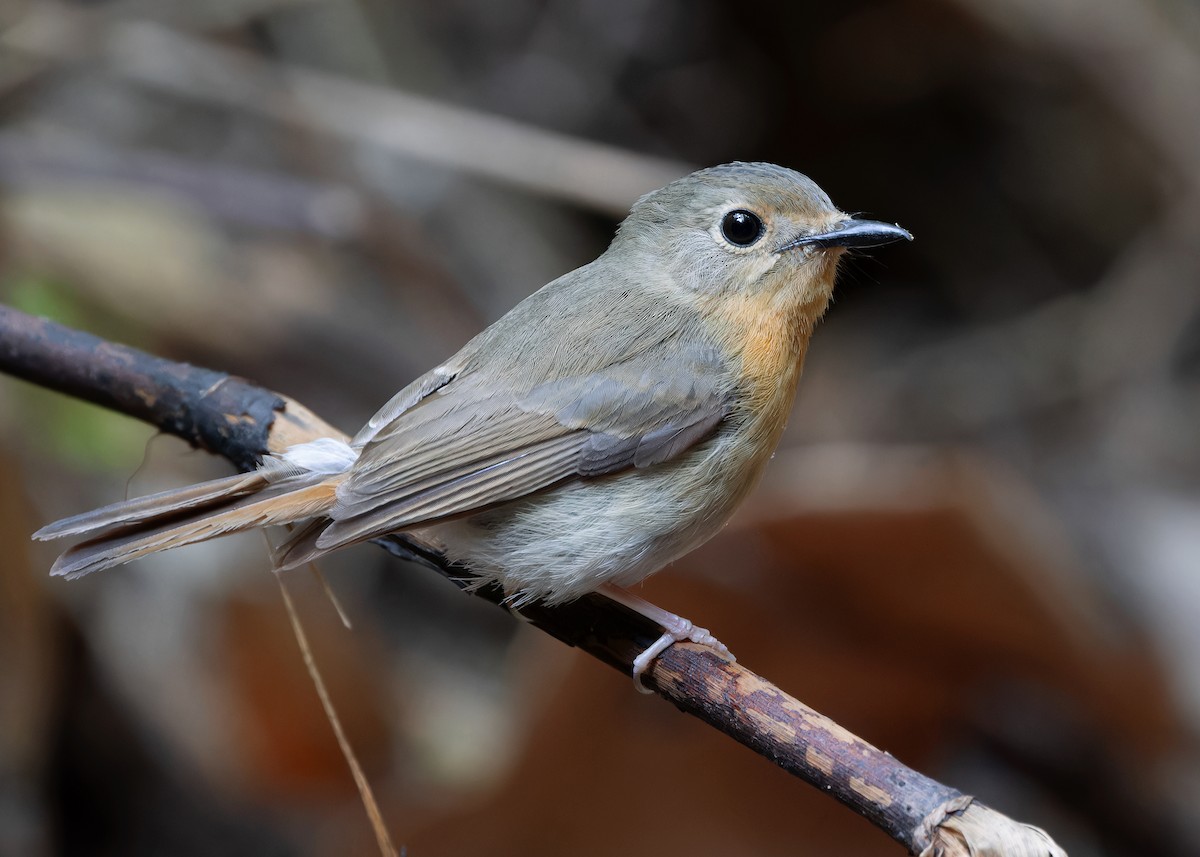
741,227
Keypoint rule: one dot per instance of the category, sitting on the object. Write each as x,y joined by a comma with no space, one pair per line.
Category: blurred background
978,547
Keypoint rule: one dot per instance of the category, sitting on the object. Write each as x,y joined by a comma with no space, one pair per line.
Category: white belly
618,529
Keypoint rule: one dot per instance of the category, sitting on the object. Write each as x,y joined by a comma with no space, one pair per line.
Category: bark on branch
241,421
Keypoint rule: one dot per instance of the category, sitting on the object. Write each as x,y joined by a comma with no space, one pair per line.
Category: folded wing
461,450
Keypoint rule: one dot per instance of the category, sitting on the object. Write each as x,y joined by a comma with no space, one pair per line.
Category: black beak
852,233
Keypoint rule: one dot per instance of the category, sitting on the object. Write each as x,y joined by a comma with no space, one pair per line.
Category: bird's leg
676,629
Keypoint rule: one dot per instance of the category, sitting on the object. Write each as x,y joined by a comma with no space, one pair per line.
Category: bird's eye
742,227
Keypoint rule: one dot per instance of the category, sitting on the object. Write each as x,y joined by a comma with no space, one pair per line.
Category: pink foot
676,629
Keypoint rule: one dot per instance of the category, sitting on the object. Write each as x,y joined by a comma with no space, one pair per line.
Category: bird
609,423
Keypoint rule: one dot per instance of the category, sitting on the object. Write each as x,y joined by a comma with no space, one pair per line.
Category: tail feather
301,546
154,507
177,520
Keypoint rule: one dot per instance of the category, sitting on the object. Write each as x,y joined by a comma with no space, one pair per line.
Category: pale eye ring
742,227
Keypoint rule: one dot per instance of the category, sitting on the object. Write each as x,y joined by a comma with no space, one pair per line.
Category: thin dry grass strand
331,595
145,460
382,837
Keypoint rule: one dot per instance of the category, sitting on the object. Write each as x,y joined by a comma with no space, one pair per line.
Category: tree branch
241,421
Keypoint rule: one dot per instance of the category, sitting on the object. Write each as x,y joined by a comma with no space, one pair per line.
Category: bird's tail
134,528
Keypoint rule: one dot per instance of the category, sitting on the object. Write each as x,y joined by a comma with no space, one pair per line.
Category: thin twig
601,177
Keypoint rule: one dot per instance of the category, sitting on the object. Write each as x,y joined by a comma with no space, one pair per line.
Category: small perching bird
608,424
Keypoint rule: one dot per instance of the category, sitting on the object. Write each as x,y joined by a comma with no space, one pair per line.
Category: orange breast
770,335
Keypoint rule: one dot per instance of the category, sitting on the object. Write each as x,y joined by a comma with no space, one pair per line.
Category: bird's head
746,229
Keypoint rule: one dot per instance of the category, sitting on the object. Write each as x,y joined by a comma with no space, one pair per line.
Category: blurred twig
924,815
1125,331
1070,349
601,177
246,197
1134,57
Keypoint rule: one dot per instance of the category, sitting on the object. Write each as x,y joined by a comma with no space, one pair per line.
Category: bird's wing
406,399
462,449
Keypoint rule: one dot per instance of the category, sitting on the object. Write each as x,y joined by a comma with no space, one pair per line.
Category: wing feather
460,448
460,492
450,440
